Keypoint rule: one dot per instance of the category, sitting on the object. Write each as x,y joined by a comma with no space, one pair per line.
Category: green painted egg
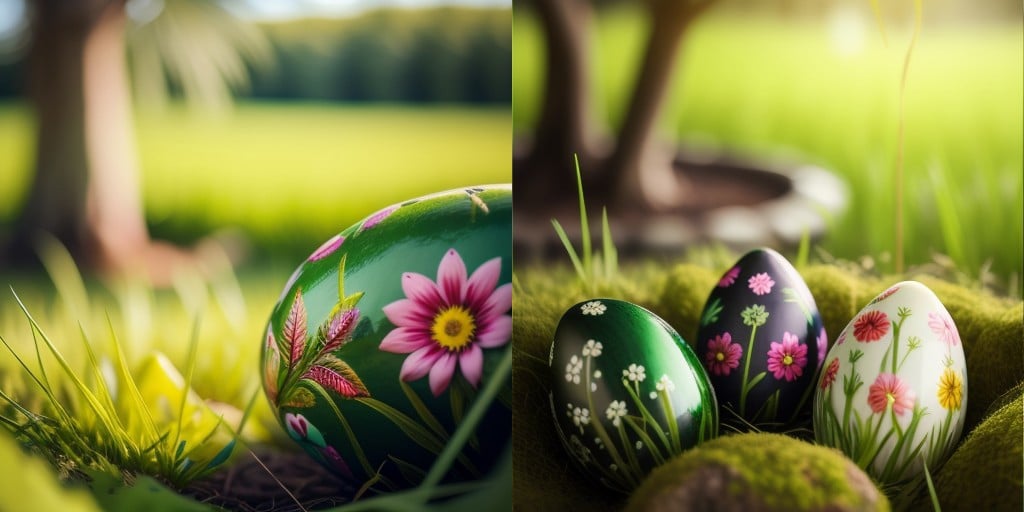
394,335
627,393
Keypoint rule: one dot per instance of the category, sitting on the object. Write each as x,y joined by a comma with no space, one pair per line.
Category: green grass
763,86
289,175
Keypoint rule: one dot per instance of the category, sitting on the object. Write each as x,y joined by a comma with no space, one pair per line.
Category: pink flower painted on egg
448,323
376,218
760,284
327,248
723,355
822,345
729,278
890,389
787,360
943,327
830,374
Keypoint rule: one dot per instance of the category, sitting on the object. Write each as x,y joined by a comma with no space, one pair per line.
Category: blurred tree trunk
85,189
564,126
639,168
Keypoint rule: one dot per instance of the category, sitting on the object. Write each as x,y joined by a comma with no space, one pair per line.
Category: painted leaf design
301,397
295,328
793,296
335,374
271,367
710,315
338,330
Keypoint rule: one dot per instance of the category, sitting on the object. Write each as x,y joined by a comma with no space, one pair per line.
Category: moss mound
758,472
991,328
985,472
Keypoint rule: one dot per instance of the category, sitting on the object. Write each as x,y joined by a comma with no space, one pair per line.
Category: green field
289,175
764,86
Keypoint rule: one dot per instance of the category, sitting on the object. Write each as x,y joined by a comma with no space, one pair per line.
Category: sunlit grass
290,175
763,86
84,383
117,384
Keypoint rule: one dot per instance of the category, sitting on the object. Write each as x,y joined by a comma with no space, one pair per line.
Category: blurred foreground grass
289,175
826,92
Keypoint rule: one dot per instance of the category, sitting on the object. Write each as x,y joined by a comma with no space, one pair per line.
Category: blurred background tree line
435,55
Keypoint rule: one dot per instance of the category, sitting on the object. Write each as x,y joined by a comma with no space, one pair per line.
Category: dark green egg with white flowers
390,333
627,393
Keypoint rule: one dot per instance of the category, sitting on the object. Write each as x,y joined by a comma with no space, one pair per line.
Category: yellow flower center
720,357
787,360
453,328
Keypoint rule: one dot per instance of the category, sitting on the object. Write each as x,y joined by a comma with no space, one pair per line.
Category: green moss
992,331
995,362
759,472
985,472
686,290
839,295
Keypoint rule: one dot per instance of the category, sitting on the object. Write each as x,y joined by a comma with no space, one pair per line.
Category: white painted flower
616,411
613,467
635,373
594,308
580,417
639,445
653,395
665,384
593,386
592,348
599,443
597,374
573,369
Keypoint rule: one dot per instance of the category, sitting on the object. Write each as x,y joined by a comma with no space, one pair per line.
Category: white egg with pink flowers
892,394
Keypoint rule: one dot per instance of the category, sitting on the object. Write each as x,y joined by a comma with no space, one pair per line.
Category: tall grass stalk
592,268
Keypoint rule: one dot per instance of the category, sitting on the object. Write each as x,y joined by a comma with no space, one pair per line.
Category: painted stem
670,417
746,372
601,432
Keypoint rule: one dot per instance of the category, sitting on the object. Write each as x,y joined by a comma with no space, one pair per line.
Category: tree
85,189
634,170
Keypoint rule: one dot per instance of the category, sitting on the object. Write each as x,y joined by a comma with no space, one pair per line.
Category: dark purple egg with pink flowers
762,342
391,332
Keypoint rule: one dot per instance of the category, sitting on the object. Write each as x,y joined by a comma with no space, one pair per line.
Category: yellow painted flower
950,389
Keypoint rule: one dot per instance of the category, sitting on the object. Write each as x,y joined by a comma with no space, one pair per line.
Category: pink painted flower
334,459
889,389
822,346
376,218
300,429
943,327
841,338
723,355
871,326
447,324
830,374
786,360
760,284
327,248
885,295
729,278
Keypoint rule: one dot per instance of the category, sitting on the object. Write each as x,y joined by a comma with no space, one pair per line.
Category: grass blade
584,225
569,249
